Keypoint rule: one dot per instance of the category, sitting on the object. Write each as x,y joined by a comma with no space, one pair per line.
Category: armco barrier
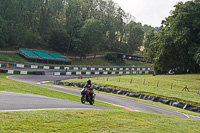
106,68
26,72
136,95
102,73
76,68
15,65
3,71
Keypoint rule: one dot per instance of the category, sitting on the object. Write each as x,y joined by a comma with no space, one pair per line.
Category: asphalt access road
126,103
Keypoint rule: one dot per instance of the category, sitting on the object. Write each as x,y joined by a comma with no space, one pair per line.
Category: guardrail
26,72
80,70
74,67
30,66
8,51
103,73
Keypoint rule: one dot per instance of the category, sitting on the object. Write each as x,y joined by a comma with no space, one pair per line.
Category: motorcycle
86,96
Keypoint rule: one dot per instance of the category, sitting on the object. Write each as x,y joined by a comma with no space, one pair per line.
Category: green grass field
115,120
100,121
147,84
102,61
12,57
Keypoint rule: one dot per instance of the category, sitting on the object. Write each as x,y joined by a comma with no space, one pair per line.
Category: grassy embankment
118,120
95,121
15,58
148,85
102,61
11,57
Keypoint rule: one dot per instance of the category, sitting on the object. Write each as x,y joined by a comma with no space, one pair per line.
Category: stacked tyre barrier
136,95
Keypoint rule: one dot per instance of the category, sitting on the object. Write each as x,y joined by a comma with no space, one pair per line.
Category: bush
111,57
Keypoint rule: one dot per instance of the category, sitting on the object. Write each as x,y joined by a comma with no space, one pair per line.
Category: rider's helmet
89,81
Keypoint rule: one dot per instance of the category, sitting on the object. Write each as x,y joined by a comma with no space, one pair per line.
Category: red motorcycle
87,95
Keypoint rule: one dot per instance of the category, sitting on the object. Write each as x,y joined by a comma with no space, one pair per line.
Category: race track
38,102
24,102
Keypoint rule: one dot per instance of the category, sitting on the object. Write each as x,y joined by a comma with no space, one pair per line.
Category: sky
150,12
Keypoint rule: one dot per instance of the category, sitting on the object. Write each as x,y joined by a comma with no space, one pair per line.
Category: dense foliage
111,57
177,44
68,26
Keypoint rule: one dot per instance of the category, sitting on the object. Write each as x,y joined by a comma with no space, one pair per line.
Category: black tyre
83,99
91,101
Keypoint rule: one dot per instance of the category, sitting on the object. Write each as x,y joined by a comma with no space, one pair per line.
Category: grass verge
104,62
12,57
95,121
15,58
141,100
159,86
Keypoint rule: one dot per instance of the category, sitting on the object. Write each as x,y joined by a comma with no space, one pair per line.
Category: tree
32,23
58,41
135,36
18,37
92,34
49,12
177,43
3,32
149,51
74,19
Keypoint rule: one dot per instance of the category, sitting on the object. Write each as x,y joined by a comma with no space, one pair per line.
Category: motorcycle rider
90,86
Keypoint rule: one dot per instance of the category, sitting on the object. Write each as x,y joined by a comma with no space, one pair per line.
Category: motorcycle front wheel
91,101
83,99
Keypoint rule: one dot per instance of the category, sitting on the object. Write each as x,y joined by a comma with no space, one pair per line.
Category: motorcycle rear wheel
83,99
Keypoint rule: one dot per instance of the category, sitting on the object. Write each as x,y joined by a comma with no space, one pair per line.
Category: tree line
83,27
68,26
176,46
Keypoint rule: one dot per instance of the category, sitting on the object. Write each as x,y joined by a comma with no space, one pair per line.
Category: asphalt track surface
23,102
30,102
